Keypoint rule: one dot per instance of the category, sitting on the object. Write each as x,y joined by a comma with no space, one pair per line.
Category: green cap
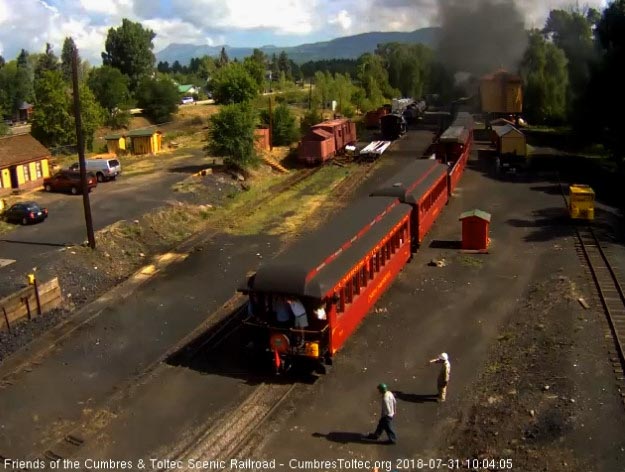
382,387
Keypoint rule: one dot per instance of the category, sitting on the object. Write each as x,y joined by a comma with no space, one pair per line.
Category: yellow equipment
581,202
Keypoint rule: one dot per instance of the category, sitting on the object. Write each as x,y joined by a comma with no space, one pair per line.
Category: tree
284,126
256,70
163,67
47,61
23,81
599,113
158,98
223,58
91,114
233,84
129,49
66,58
232,136
572,31
2,62
284,65
545,80
176,67
373,78
110,88
407,66
52,121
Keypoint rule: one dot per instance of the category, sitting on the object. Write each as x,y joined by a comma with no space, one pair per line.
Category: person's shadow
416,398
345,437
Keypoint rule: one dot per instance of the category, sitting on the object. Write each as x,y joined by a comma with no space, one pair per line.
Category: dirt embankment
532,403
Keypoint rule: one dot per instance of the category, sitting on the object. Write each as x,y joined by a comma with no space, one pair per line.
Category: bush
285,129
158,98
233,84
232,135
312,117
118,119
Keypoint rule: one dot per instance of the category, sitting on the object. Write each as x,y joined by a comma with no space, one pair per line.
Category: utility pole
270,125
310,94
81,151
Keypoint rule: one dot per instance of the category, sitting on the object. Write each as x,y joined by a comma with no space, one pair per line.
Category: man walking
443,376
389,405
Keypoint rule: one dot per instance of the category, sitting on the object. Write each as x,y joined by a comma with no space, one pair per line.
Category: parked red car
68,181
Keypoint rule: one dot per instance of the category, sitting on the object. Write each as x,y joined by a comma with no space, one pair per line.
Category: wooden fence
29,302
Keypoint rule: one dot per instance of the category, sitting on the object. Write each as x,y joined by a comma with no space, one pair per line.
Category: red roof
21,149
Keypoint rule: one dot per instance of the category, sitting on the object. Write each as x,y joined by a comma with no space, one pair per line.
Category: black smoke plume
480,36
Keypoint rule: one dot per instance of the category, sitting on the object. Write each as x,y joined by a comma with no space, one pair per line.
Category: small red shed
475,227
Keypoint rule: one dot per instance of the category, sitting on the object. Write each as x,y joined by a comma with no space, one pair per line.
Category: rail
608,286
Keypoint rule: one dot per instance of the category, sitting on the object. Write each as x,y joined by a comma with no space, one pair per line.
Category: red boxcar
422,184
372,118
317,146
331,278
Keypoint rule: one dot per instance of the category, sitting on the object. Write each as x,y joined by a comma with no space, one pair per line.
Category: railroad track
610,293
233,431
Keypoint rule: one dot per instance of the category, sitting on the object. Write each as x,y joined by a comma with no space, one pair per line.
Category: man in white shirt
443,376
389,405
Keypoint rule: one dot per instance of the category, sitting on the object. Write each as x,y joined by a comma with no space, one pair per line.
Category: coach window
356,283
349,292
341,305
364,276
371,267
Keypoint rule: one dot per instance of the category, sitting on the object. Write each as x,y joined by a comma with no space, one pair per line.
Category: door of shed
475,230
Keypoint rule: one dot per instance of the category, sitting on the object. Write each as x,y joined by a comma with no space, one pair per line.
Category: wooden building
501,93
116,143
24,163
145,141
509,141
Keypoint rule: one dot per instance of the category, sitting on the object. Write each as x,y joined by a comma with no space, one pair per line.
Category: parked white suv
104,169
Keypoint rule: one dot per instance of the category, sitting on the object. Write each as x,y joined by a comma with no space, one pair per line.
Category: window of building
38,169
26,171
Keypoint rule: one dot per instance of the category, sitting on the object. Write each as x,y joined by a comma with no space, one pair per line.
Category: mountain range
348,47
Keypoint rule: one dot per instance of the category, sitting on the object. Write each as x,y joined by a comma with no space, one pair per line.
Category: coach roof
315,263
413,181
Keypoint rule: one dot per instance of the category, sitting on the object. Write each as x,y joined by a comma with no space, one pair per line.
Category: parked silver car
104,169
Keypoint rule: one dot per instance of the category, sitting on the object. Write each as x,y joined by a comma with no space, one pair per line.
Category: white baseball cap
444,356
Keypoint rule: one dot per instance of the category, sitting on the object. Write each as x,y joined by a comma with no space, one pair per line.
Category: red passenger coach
306,302
423,185
454,147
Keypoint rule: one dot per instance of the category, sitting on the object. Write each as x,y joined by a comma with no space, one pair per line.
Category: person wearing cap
443,376
385,424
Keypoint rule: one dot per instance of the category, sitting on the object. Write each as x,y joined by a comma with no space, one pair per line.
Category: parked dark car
25,213
68,181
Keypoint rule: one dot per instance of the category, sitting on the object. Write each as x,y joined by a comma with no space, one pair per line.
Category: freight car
325,140
372,118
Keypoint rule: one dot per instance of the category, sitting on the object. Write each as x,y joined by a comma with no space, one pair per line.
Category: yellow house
145,141
116,143
501,92
24,163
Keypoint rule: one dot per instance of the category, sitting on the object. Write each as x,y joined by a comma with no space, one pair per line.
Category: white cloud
177,31
342,19
284,17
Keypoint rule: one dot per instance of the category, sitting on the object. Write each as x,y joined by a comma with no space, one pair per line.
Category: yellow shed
145,141
509,140
501,92
115,143
24,163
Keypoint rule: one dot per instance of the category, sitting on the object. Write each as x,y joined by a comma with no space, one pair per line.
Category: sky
29,24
